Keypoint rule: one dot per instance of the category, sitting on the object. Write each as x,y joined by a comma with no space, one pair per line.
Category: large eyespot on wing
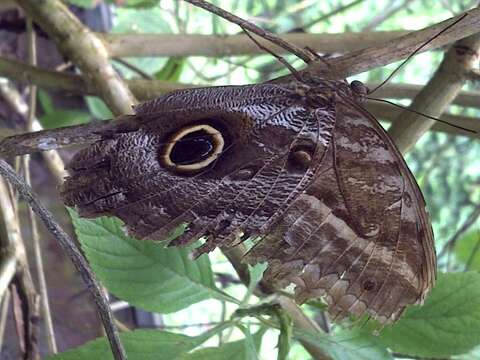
193,148
359,235
157,189
259,190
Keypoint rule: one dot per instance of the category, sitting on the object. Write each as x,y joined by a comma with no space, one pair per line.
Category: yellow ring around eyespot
218,146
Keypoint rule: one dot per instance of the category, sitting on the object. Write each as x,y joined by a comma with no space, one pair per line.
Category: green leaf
98,108
45,101
172,70
60,118
141,345
318,304
144,273
137,3
285,336
83,3
447,324
346,345
467,251
256,274
252,344
235,350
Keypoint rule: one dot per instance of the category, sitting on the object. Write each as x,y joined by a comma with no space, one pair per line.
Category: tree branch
472,218
83,48
359,61
74,254
437,95
142,45
16,102
27,297
392,114
249,26
84,134
408,91
75,84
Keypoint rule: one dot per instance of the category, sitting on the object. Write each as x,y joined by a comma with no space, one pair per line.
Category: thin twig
437,95
134,68
15,100
471,219
4,315
244,24
26,296
8,267
385,14
26,305
74,254
38,259
325,17
8,257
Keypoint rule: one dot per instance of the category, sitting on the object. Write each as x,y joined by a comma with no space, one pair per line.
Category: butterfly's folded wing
339,211
250,182
360,233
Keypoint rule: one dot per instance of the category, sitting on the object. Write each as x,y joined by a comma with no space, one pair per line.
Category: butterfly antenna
424,115
416,51
280,58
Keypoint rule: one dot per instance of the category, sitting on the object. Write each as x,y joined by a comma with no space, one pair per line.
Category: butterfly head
359,88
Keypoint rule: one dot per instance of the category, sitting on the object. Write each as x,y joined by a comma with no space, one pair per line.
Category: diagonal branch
75,84
141,45
83,48
437,95
149,89
71,250
247,25
26,298
359,61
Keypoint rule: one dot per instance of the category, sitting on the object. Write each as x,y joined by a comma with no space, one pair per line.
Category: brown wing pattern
245,186
309,170
359,235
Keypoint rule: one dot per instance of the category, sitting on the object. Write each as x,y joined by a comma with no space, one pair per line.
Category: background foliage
166,281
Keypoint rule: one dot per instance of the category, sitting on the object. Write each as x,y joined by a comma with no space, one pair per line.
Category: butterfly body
301,165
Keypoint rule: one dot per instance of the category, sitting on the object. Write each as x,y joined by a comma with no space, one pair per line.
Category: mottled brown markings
308,169
238,194
157,193
227,209
266,196
370,259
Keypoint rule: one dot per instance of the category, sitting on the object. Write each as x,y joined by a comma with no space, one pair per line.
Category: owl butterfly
299,165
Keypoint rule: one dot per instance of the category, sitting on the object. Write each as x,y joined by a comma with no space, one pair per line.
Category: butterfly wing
314,175
360,234
246,185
